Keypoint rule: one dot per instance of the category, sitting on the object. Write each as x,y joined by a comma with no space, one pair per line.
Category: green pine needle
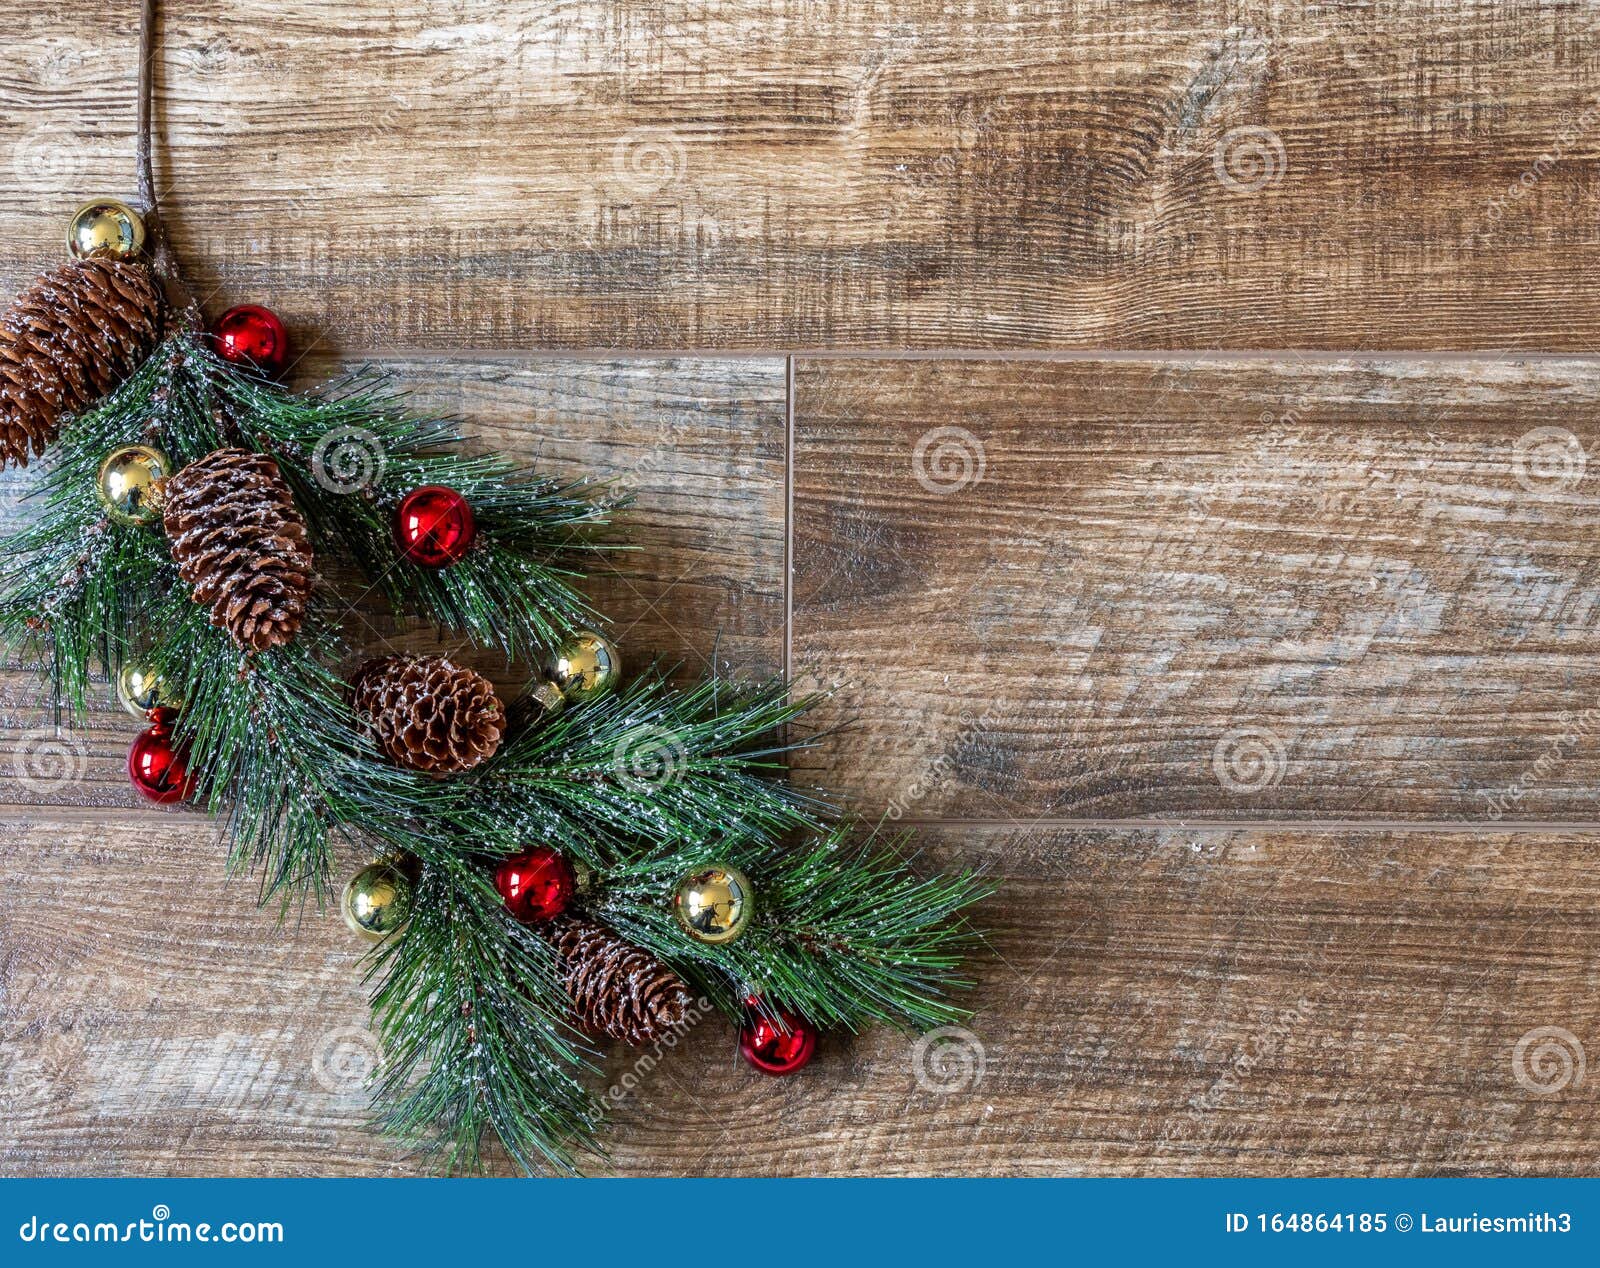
845,933
352,452
469,1007
649,763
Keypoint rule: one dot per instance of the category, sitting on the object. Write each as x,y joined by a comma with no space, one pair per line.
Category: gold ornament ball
105,227
714,903
377,901
586,666
128,483
141,690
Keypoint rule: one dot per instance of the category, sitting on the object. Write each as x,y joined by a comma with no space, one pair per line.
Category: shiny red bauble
774,1040
251,335
157,769
536,885
434,526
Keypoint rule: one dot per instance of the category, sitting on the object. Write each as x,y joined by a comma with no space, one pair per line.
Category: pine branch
73,591
844,932
271,740
349,458
650,763
170,402
468,1008
75,585
275,748
643,786
352,452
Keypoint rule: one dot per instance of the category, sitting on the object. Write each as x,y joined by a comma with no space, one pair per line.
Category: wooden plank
1225,589
160,1014
873,175
1209,1002
699,443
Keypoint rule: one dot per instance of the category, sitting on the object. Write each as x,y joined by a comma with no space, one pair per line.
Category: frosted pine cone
70,338
240,542
428,713
617,989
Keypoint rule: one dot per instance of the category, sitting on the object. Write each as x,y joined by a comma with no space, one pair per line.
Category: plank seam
1425,826
788,519
1457,827
1316,356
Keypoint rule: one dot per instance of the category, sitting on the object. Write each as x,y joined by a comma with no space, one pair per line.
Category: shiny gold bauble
714,903
377,901
586,666
141,690
105,227
128,483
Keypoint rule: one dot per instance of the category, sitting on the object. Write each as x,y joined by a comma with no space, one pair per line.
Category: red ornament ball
775,1041
251,335
157,769
536,885
434,526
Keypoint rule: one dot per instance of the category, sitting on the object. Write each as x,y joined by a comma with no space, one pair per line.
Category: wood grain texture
794,173
1108,589
1218,591
698,443
157,1021
1209,1003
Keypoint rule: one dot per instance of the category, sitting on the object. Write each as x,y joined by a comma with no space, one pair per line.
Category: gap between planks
1220,356
788,520
1434,827
1421,827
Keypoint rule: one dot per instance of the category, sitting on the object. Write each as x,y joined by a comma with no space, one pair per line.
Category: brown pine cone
617,989
240,542
428,713
70,338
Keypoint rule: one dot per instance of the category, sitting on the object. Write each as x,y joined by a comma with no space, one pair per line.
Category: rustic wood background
1170,421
